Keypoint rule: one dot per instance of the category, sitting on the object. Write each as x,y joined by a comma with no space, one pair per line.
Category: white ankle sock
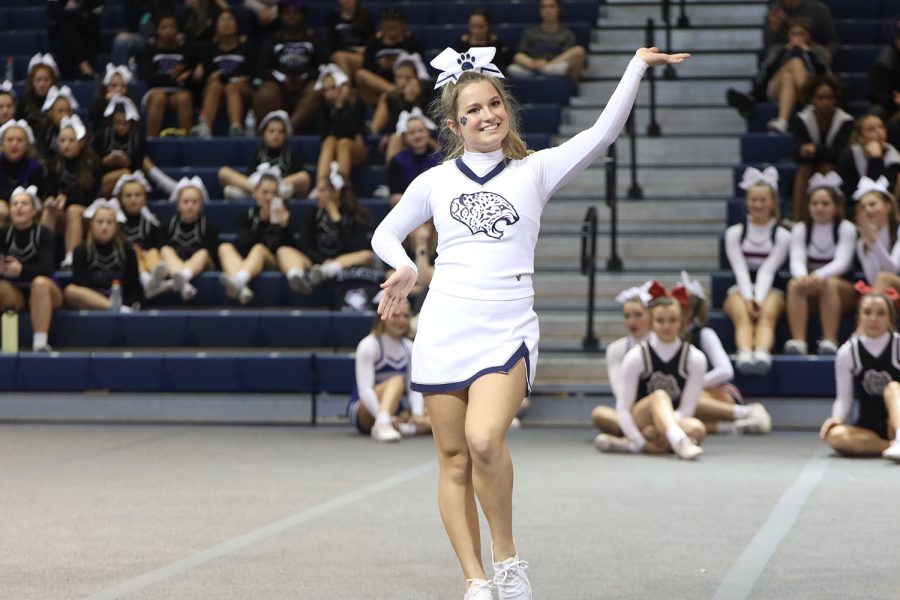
740,411
145,279
382,417
241,278
332,269
675,434
295,273
39,340
724,427
186,274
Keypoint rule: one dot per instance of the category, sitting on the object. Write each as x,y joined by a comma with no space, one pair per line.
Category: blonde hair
117,240
444,109
892,309
773,198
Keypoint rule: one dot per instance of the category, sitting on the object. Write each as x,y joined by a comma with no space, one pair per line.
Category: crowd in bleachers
156,141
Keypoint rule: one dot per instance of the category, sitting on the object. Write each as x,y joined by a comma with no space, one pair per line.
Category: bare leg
892,402
349,62
290,258
236,95
838,296
212,97
301,183
183,104
797,309
886,280
389,393
228,176
80,297
229,258
604,419
372,86
11,297
801,178
74,226
45,298
850,440
360,258
327,154
575,57
268,97
772,307
170,257
736,309
156,107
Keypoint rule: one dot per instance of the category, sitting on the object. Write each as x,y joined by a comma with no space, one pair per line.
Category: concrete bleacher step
561,248
661,181
673,120
683,91
707,64
616,12
550,286
710,149
689,40
561,368
636,213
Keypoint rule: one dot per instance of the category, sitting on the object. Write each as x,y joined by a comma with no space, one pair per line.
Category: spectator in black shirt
343,123
73,28
480,36
166,67
19,163
139,23
199,22
376,76
119,142
821,26
42,75
349,27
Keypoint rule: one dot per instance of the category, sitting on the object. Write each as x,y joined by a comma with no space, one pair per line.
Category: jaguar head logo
666,383
483,212
874,382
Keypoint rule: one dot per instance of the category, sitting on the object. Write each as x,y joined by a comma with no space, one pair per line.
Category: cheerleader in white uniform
475,352
878,219
867,369
756,250
382,404
821,254
636,316
720,406
661,381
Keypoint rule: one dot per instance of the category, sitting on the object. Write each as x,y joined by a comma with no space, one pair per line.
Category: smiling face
22,211
190,204
666,321
760,203
481,118
417,135
15,144
133,197
874,316
104,225
69,146
636,317
875,208
822,208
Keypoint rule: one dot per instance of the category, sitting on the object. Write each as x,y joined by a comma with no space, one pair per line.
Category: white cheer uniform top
827,250
615,353
760,249
877,258
487,207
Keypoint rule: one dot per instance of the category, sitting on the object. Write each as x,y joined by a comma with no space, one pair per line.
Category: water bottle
9,332
250,123
115,296
10,71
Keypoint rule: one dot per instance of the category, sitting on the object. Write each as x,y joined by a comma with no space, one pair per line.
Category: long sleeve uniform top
719,371
487,208
850,365
379,358
760,249
252,230
633,368
853,164
97,267
821,251
615,352
33,247
877,258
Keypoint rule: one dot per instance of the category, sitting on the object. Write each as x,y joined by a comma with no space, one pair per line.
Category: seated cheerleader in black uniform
142,230
867,369
27,266
118,142
20,165
102,259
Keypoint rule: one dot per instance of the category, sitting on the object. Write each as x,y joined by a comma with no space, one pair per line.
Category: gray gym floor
113,511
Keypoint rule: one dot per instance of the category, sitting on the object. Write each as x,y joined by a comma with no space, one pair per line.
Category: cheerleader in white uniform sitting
661,381
382,404
821,254
878,220
721,406
756,250
867,369
636,316
475,352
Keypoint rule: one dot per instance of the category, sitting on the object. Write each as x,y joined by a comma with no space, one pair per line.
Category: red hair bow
863,288
658,290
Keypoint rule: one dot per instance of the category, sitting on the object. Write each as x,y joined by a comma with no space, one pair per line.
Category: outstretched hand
653,57
395,290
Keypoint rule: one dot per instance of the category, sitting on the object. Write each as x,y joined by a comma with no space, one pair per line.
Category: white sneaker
777,126
686,449
826,348
743,362
510,579
762,361
557,68
382,191
203,130
299,283
610,443
245,296
385,432
757,422
892,452
155,289
188,291
232,289
795,347
479,589
233,192
316,275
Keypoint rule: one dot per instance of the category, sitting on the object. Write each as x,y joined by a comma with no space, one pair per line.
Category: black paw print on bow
466,61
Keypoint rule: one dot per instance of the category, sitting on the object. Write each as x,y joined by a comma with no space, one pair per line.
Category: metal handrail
653,128
588,267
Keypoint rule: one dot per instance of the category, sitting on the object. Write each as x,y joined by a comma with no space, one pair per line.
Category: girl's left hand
653,57
12,267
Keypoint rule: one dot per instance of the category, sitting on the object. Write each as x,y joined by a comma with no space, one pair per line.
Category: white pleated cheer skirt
460,339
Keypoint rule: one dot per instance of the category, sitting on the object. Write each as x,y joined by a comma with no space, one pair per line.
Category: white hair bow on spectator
331,69
43,59
415,113
452,64
416,59
99,203
55,94
136,177
265,169
21,124
337,180
642,293
280,115
830,180
189,182
867,185
75,123
31,191
753,176
120,70
7,88
693,287
127,104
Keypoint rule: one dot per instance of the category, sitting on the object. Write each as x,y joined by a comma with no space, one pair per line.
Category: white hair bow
137,177
120,70
692,286
127,104
415,113
75,123
21,124
642,293
830,180
31,191
337,181
753,176
7,88
331,69
189,182
416,59
867,185
55,94
43,59
280,115
99,203
452,64
265,169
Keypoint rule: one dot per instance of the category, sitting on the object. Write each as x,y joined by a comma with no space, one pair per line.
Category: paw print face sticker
466,61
